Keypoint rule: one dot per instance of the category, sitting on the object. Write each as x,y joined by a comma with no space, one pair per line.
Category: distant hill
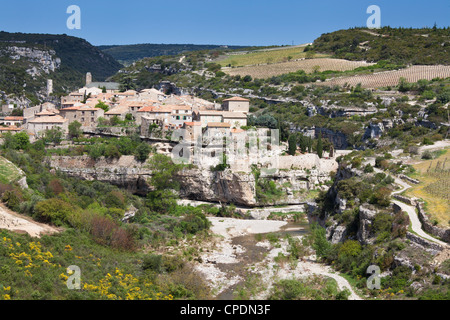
427,46
28,60
128,54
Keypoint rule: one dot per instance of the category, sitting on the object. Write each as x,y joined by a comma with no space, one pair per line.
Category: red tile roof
237,99
14,118
219,125
192,124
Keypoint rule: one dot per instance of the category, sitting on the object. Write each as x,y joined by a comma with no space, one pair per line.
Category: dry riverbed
237,252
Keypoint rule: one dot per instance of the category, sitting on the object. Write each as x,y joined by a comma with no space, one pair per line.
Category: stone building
236,104
38,125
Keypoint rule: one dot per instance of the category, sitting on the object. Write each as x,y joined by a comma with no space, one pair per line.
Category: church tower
88,78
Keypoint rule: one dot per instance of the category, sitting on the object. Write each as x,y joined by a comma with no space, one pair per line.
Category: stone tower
88,78
49,87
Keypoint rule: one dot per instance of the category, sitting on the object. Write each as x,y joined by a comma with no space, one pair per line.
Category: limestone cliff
227,187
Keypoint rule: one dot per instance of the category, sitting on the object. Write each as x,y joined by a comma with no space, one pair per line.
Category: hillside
28,60
397,45
128,54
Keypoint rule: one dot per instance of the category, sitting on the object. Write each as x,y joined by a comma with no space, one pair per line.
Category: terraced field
434,187
308,65
268,56
391,78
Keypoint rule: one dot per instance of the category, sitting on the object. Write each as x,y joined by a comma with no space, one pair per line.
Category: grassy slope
8,172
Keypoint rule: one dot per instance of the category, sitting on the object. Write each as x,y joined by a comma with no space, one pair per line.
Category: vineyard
307,65
265,57
391,78
434,188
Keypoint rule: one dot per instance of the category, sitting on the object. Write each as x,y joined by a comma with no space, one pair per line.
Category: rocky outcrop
366,217
195,184
125,172
45,61
339,234
338,139
226,187
374,130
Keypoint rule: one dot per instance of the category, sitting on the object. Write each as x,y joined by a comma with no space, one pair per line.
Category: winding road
416,225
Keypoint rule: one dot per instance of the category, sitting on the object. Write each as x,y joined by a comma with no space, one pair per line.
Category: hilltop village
99,108
147,107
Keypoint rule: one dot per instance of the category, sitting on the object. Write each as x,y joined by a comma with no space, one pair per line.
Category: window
82,119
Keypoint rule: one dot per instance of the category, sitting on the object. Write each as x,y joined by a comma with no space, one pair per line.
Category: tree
310,54
142,152
126,84
112,152
163,172
102,105
320,146
303,142
19,141
292,145
309,145
54,135
75,130
247,78
17,112
320,243
115,121
96,151
162,199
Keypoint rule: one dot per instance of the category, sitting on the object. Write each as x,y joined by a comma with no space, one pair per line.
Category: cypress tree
320,146
292,145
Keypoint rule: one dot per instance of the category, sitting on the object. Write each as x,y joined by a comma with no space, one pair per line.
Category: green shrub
54,210
152,262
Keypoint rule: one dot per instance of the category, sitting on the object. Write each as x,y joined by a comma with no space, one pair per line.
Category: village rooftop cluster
149,108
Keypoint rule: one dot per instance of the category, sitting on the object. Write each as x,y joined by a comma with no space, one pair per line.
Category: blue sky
233,22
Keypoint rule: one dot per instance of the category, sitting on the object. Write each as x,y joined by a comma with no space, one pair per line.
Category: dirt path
12,221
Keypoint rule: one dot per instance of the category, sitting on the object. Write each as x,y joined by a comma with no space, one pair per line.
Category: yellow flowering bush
120,286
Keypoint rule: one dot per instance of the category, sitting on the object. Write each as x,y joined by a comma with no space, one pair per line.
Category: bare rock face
366,217
195,184
227,186
125,172
339,234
